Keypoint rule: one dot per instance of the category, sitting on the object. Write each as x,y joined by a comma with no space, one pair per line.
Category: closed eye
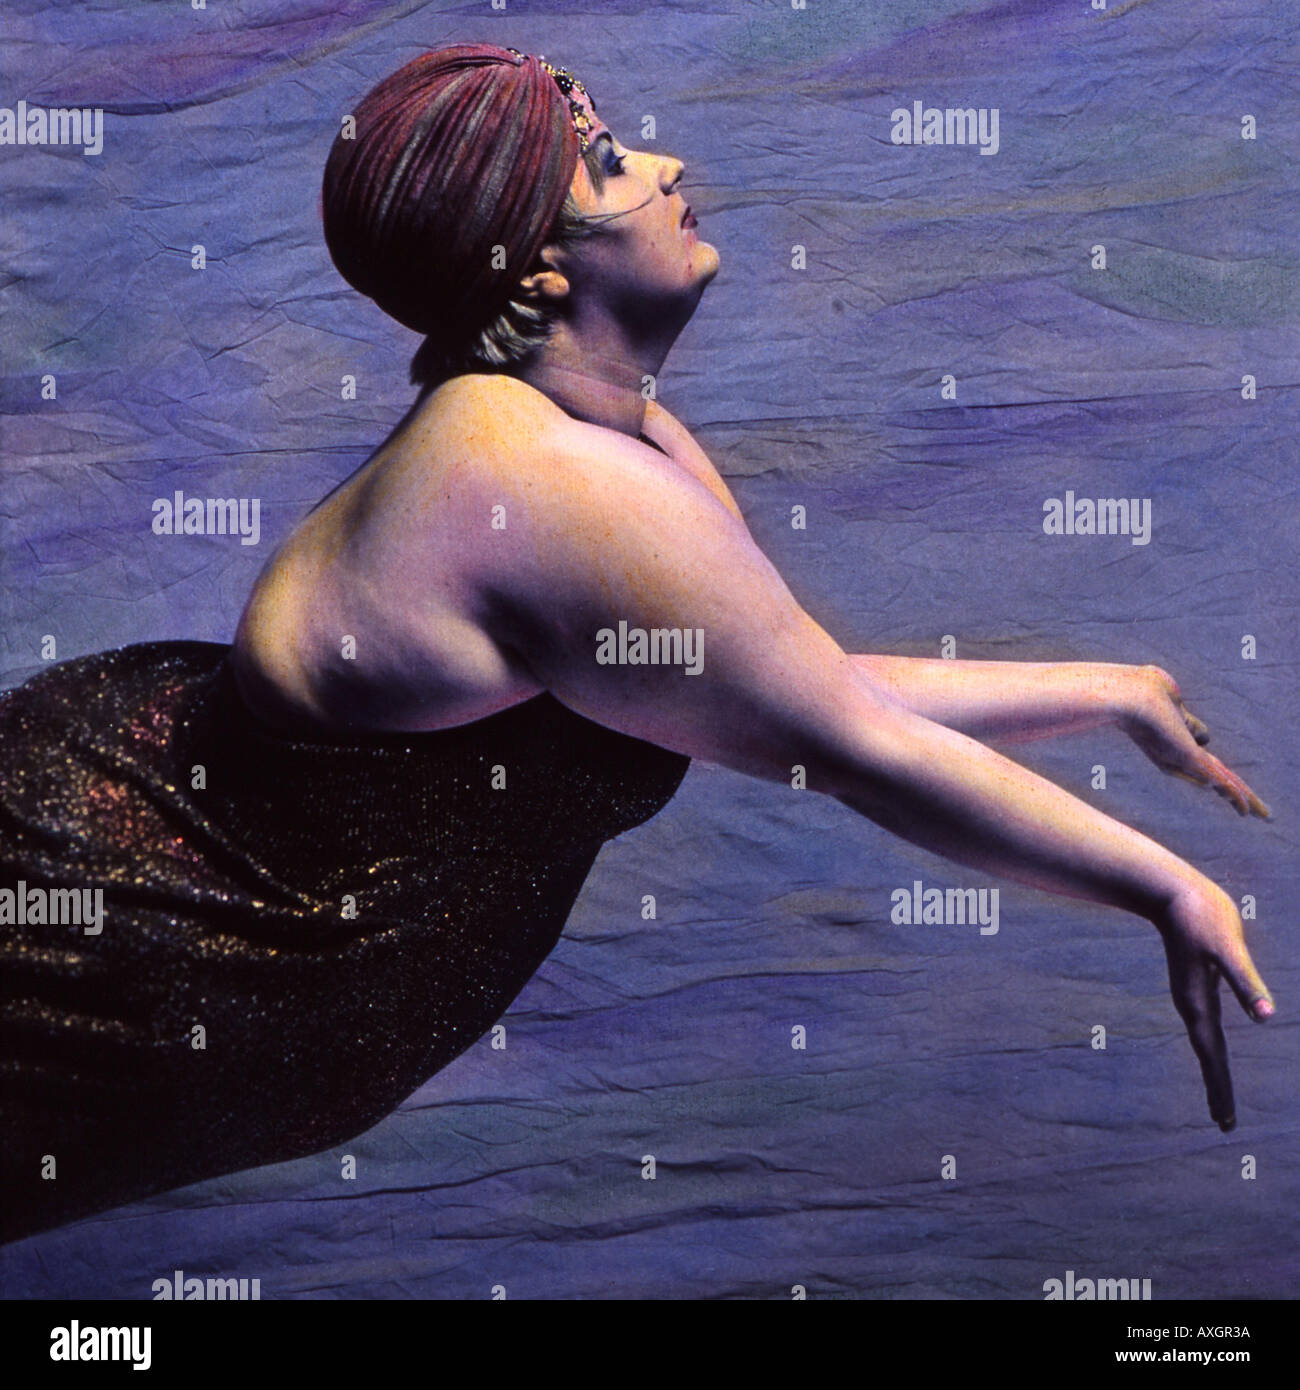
602,160
613,162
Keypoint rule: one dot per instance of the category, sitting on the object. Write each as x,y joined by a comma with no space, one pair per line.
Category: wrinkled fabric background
818,387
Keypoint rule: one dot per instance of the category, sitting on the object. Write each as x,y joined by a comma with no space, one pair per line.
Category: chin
709,262
707,270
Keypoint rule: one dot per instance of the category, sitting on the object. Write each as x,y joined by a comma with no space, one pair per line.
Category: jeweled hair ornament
568,84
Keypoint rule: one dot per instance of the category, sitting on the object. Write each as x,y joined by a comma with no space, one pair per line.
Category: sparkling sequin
230,906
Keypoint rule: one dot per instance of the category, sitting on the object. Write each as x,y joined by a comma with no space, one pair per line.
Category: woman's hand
1204,939
1152,713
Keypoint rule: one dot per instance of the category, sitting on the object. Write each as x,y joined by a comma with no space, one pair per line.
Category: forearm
950,794
1010,701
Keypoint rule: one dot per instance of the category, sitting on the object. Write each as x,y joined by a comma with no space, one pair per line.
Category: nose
670,173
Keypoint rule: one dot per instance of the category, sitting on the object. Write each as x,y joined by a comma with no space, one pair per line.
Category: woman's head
648,267
462,166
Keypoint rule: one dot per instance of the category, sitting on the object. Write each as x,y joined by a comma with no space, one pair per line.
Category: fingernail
1263,1009
1229,1124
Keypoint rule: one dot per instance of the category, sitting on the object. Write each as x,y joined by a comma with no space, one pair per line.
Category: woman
332,854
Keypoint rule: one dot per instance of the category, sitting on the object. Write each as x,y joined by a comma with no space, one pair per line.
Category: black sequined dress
340,919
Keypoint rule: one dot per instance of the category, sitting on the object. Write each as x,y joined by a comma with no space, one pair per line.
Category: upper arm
603,532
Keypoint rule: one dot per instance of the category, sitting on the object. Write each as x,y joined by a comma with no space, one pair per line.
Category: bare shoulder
489,386
535,452
519,441
506,449
470,439
489,412
499,421
680,444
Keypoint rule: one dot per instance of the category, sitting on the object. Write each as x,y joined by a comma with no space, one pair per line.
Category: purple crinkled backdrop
818,388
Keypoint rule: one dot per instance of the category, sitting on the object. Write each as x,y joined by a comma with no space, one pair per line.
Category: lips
688,217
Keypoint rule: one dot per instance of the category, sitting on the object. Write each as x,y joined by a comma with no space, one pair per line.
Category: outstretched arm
1007,701
603,531
1017,702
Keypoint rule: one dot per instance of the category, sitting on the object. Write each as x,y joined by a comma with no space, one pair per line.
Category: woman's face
648,262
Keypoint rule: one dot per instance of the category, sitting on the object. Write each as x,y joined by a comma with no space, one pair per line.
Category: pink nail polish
1263,1009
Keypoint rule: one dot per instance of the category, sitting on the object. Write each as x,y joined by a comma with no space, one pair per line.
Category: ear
546,281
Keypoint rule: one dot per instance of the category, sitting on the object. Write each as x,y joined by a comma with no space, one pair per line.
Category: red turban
464,149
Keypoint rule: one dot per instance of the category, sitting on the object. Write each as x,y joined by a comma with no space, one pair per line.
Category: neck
600,382
610,399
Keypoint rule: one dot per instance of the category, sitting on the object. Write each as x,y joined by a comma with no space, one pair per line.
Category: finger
1196,727
1233,788
1224,781
1257,806
1246,982
1193,981
1237,791
1169,752
1196,779
1234,800
1240,791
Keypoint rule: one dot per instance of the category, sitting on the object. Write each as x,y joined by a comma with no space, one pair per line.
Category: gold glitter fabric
296,934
